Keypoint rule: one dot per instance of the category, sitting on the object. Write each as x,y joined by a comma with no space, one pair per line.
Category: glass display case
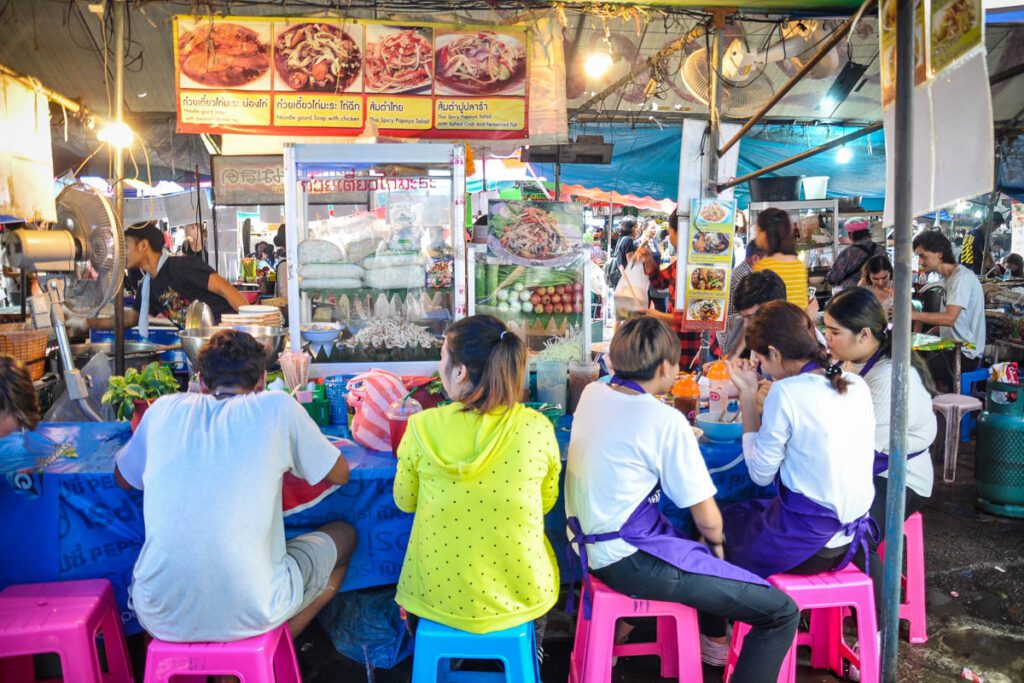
817,224
379,281
532,274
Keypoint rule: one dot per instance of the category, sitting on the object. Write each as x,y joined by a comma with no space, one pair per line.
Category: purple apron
772,536
881,463
648,530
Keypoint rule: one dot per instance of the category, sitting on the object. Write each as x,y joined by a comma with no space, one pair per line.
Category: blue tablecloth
65,518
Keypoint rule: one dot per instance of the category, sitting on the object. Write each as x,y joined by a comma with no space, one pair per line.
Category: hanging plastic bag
366,626
371,394
631,291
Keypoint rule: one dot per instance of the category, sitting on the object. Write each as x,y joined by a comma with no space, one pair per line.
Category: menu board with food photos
329,76
708,264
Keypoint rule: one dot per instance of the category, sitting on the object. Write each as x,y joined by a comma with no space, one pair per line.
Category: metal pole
118,163
832,41
866,130
903,132
714,110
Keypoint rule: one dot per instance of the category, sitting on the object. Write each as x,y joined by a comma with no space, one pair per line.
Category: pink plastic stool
63,618
677,645
826,595
912,608
267,658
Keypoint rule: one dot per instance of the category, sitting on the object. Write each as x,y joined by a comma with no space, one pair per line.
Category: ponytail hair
858,309
786,327
495,360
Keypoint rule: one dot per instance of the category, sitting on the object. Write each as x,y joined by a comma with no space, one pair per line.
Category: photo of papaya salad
480,63
317,57
397,60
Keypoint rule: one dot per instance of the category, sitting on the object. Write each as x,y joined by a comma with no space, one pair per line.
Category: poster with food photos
708,264
333,76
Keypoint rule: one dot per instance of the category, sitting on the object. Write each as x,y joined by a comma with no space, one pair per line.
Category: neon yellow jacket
478,559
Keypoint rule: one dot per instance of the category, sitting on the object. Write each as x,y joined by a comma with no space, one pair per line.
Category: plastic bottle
686,395
718,396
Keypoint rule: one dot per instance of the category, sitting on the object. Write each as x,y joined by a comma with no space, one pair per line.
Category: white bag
634,282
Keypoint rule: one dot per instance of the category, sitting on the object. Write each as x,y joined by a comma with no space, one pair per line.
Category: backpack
612,274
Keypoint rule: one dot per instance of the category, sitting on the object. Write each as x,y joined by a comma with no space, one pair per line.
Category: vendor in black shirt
174,282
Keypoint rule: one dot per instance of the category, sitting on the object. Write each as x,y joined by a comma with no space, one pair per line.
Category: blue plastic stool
967,382
437,645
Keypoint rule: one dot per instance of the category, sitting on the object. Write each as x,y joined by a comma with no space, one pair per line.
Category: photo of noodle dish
398,59
317,57
480,63
714,212
535,233
708,279
706,310
223,55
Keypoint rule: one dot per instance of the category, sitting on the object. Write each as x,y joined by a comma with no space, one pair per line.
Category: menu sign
338,77
887,41
708,264
955,30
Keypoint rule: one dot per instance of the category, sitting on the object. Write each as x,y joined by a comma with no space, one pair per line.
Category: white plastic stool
953,407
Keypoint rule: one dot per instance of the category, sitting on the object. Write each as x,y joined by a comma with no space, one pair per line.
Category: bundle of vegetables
544,299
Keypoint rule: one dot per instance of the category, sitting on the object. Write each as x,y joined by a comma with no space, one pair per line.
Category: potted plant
131,395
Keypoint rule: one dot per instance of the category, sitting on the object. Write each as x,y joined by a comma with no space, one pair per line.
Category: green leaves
154,381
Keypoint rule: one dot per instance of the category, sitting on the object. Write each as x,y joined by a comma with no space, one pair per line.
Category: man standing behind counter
964,316
171,283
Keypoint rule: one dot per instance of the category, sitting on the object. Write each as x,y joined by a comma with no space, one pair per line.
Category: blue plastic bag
366,626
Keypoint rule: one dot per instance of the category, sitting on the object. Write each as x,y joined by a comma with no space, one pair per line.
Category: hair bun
833,370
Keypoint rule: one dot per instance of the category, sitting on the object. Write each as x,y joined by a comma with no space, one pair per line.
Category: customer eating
215,565
626,448
876,276
963,317
479,473
815,441
857,330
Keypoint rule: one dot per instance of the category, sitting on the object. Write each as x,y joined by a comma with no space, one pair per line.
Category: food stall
377,287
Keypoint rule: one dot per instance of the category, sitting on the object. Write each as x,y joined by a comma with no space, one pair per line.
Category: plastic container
551,383
580,375
815,186
686,396
784,188
336,389
719,389
319,410
398,416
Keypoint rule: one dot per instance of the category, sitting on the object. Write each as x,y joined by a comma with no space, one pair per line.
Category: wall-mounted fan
744,85
84,255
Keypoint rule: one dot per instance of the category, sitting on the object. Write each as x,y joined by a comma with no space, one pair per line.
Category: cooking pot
136,354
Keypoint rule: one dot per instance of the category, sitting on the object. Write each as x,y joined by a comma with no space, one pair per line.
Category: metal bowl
272,339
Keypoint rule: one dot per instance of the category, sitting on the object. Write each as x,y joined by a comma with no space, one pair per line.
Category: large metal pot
271,338
136,354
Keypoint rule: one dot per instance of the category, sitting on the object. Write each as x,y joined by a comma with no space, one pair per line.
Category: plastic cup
551,383
580,375
398,419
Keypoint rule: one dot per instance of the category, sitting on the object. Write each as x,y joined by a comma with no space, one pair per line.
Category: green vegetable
154,381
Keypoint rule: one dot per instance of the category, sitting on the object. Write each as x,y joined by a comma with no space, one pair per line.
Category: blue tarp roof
645,161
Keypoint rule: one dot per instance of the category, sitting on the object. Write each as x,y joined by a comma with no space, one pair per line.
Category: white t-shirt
214,566
821,442
621,446
964,289
921,426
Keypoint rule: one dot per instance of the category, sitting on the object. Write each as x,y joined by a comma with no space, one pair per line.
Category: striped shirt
793,273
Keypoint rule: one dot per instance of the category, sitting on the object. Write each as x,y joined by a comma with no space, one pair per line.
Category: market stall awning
603,197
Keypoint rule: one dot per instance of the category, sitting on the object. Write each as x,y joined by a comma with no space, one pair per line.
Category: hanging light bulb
117,134
597,64
844,155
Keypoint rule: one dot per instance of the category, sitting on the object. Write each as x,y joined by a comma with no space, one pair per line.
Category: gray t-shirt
963,289
214,565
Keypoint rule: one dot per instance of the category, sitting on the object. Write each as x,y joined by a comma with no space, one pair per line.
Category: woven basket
28,346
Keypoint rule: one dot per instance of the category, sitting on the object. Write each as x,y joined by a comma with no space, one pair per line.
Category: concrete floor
974,561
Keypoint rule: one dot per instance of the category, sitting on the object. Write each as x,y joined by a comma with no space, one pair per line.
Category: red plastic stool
266,658
677,645
826,596
63,618
912,608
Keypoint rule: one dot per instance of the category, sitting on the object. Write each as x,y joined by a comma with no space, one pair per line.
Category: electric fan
84,255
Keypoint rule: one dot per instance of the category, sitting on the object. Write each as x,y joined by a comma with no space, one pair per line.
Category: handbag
371,395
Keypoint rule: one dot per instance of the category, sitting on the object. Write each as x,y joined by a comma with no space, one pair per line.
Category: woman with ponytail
814,441
479,473
857,331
